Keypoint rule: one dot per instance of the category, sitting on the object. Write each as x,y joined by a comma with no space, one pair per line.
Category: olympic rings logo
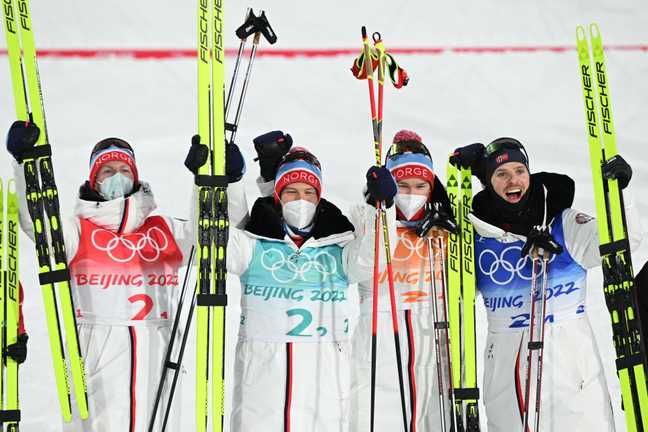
144,245
407,247
502,270
298,266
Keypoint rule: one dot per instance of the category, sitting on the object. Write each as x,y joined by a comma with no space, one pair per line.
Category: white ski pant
298,387
574,390
418,359
123,366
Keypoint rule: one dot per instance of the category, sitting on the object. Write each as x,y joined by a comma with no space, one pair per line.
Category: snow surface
453,99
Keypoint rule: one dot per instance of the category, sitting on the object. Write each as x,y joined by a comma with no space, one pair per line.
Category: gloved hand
197,156
436,217
616,167
270,148
21,138
468,156
381,186
234,163
18,349
541,238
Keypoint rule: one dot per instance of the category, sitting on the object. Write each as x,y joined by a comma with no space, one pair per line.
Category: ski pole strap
54,276
467,393
38,151
397,74
535,345
256,24
232,127
359,69
9,416
613,247
441,324
211,299
171,365
628,362
211,180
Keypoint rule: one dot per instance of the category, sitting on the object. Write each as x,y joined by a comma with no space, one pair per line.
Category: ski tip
580,32
595,32
364,31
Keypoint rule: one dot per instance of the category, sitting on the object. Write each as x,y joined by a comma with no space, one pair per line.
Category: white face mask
115,186
299,213
409,205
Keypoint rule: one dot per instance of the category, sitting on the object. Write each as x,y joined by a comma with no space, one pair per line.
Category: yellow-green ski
461,303
10,315
615,251
470,391
454,298
43,206
3,309
213,222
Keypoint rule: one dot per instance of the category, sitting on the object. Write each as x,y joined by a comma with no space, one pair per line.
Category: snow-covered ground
454,98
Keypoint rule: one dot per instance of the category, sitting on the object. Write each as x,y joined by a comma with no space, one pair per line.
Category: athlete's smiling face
511,181
111,168
297,191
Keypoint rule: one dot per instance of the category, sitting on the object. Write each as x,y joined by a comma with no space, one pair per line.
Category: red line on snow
170,53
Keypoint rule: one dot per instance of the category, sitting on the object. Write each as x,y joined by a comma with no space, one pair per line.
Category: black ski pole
168,364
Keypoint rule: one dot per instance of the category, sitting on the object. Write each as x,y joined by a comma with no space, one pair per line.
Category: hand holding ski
618,276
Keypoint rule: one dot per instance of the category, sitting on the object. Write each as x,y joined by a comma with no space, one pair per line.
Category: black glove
469,156
616,167
270,148
381,186
197,156
21,138
437,217
234,163
18,349
541,238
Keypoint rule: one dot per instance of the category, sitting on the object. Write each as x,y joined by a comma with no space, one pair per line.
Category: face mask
115,186
409,205
299,213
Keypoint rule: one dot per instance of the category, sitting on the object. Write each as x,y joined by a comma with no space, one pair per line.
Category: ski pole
442,247
168,364
256,25
176,374
249,20
440,325
532,344
545,283
376,117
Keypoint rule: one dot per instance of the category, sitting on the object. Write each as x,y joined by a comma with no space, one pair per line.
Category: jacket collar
121,215
330,226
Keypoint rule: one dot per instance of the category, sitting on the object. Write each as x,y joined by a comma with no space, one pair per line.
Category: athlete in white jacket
408,179
295,258
574,390
124,264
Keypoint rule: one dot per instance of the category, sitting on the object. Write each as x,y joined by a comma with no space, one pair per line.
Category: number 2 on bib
146,307
306,320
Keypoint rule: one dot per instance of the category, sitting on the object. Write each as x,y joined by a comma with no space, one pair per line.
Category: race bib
125,277
294,296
